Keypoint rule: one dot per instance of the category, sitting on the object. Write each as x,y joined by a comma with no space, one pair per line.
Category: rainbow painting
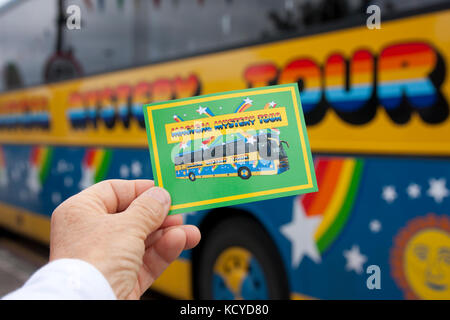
2,159
269,105
205,110
40,158
208,142
186,144
97,160
246,103
275,130
338,180
177,118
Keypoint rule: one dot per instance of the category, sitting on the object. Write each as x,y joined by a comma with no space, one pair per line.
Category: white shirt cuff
65,279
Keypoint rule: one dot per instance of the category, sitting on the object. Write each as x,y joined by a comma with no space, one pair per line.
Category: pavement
20,257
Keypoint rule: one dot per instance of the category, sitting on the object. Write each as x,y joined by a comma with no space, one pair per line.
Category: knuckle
150,211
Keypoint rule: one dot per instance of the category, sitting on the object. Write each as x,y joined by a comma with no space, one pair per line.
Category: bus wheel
244,173
238,260
192,176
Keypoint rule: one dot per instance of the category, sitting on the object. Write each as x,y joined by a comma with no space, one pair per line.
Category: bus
375,97
260,154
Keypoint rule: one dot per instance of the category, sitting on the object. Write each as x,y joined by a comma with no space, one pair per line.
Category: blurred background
374,88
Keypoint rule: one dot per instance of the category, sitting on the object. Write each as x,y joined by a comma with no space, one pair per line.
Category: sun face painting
252,143
421,258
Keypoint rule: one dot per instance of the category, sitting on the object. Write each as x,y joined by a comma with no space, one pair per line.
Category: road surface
20,257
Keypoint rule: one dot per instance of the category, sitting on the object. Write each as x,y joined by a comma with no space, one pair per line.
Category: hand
121,227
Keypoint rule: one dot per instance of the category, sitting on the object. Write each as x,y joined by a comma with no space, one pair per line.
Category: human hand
121,227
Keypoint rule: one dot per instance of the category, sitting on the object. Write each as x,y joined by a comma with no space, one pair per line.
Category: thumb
149,209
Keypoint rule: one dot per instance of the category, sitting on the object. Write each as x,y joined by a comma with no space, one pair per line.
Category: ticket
230,148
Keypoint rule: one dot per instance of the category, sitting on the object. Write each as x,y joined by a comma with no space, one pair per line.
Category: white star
56,198
136,168
201,110
389,194
251,140
183,145
205,147
438,191
124,171
15,174
3,178
355,260
68,182
184,115
413,190
300,231
375,226
62,166
272,104
248,100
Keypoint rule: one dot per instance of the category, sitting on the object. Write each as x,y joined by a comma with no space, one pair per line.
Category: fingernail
159,194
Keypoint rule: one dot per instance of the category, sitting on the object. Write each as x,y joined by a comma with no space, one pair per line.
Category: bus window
229,149
178,159
186,157
138,32
219,151
282,151
198,155
252,147
241,147
206,154
26,44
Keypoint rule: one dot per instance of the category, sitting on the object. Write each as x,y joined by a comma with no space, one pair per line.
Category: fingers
173,220
160,255
117,195
193,236
162,248
149,210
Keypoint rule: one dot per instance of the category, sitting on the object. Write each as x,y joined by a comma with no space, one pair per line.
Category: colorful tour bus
234,155
376,104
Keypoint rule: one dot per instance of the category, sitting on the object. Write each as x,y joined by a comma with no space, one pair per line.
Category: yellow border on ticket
240,196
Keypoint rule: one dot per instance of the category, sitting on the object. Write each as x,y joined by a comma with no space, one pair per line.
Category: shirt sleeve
65,279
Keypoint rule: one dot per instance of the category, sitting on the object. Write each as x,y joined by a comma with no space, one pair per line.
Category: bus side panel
37,178
380,213
369,211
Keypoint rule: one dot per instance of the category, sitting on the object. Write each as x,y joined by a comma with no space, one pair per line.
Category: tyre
244,173
192,176
238,260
